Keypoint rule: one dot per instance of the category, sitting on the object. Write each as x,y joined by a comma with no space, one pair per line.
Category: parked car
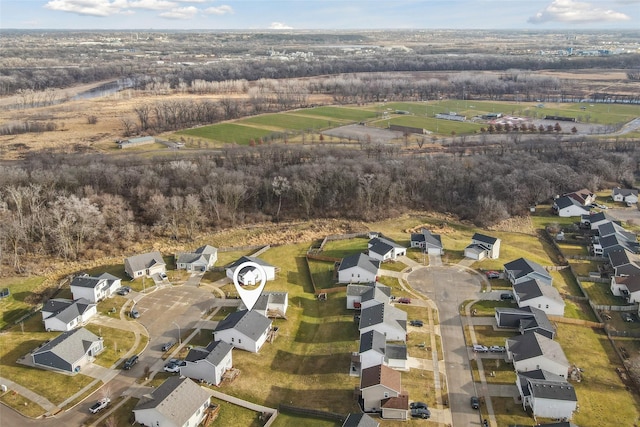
99,405
123,290
479,348
506,296
163,276
627,317
421,413
475,402
134,313
417,323
493,274
128,364
416,405
168,345
497,349
404,300
172,367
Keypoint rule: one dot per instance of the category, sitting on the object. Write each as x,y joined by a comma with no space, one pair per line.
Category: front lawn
117,342
345,247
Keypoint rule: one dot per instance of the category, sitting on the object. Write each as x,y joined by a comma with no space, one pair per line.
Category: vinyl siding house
396,408
614,242
208,363
272,304
251,276
378,383
566,206
626,195
379,294
522,270
63,315
532,293
69,351
386,319
383,249
359,420
369,293
627,287
94,289
244,329
526,319
177,402
202,259
374,350
584,196
548,395
430,243
482,247
358,268
532,351
144,265
624,263
594,220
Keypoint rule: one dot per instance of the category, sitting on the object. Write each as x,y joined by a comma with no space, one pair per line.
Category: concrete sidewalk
25,392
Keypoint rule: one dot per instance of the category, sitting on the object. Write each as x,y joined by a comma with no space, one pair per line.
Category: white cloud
219,10
180,13
576,12
279,26
88,7
152,4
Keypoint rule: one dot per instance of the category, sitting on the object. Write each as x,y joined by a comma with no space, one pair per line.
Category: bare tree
280,185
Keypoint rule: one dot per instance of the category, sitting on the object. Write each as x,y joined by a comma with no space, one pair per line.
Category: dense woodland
86,207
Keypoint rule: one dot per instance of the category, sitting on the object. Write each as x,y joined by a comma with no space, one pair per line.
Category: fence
244,248
312,413
332,237
561,319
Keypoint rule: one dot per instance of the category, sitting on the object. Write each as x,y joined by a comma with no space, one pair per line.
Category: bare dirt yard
357,133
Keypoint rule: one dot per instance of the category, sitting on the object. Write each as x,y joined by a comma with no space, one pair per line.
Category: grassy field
338,113
439,126
228,133
285,121
323,274
22,404
14,306
117,342
343,248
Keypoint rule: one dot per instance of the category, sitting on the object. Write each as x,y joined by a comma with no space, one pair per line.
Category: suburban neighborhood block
145,265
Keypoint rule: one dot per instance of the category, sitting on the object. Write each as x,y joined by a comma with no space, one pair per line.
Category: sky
317,14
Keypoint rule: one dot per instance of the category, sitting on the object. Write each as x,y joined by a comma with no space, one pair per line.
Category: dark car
417,323
475,402
416,405
404,300
493,274
421,413
167,346
134,313
128,364
123,290
506,296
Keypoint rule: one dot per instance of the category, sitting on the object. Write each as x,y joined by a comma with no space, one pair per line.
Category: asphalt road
449,287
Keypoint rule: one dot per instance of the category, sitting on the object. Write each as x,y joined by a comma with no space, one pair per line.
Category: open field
338,113
228,133
16,304
286,121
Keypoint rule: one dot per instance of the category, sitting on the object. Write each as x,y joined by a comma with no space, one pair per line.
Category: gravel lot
363,133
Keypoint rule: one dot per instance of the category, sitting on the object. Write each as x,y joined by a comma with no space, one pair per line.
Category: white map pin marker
250,297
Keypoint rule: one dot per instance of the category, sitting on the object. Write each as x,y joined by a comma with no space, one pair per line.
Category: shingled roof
177,399
248,322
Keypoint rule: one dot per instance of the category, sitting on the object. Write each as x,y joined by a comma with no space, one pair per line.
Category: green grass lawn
438,126
21,404
123,415
285,121
338,113
288,420
228,133
117,343
323,274
393,265
343,248
15,305
600,294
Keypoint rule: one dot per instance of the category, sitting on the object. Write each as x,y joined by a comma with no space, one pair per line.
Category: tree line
85,207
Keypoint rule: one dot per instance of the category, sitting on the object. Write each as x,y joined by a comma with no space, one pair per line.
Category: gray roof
533,344
527,318
616,242
86,281
244,259
610,228
625,191
143,261
546,385
177,399
267,298
360,260
631,282
566,201
622,257
214,353
522,267
358,289
69,346
65,309
432,240
379,247
560,424
533,289
372,340
596,217
484,238
360,420
249,323
203,253
395,351
383,313
379,293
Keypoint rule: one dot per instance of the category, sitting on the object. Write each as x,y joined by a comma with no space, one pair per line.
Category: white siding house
94,289
61,314
358,268
145,265
208,363
531,351
252,275
378,383
532,293
548,395
244,329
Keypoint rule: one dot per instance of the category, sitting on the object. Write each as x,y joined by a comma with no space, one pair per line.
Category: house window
547,305
386,394
239,341
232,339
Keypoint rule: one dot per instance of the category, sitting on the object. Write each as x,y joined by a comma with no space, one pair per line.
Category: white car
478,348
172,367
99,405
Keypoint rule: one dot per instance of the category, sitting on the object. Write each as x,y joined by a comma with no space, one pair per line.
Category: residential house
482,247
532,293
94,289
375,350
368,291
60,314
272,304
558,424
430,243
585,197
525,319
594,220
177,402
378,383
532,351
202,259
244,329
566,206
379,294
548,395
624,263
359,420
522,270
383,249
610,228
386,319
395,408
614,242
145,265
251,276
625,195
358,268
69,351
627,287
208,363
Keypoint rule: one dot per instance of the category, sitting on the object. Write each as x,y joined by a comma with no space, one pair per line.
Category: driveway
448,288
625,214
